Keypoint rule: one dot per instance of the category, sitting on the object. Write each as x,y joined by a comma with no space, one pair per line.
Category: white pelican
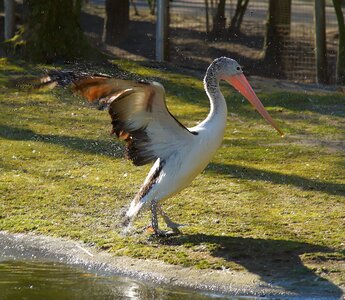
152,134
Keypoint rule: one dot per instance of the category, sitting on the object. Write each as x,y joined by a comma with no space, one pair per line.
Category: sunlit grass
261,197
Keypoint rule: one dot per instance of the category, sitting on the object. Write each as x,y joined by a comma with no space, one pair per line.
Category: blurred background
290,39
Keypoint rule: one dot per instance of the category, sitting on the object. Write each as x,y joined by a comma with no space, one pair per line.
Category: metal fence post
162,30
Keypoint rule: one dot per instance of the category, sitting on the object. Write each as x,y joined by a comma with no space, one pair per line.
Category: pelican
152,134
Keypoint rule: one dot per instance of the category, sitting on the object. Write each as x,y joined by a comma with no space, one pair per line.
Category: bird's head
229,70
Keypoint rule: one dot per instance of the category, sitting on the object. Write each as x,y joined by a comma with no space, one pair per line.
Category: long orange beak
240,83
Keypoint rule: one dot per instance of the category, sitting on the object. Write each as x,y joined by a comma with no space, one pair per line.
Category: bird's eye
238,68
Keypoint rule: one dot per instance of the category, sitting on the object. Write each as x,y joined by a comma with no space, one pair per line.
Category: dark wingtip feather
51,79
135,139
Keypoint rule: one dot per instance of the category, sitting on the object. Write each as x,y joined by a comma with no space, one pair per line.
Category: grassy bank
273,206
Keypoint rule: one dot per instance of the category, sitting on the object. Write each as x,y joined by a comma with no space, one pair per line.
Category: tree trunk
207,17
10,19
52,31
320,41
152,6
77,4
237,18
278,28
219,19
136,12
341,47
117,21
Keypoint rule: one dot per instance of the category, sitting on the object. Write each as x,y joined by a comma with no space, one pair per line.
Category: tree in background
219,19
237,18
207,17
152,6
136,12
341,46
320,41
116,21
51,31
277,29
10,18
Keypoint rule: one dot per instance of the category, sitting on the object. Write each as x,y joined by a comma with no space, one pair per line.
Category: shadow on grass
303,183
275,261
112,149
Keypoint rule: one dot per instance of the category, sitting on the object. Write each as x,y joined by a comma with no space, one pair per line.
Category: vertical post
10,15
162,31
277,33
340,76
207,17
320,41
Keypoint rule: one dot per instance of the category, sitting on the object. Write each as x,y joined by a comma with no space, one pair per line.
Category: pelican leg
171,224
154,221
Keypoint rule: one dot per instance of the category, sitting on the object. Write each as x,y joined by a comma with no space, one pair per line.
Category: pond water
35,280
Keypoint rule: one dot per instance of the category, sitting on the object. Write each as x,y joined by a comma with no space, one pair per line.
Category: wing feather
93,88
140,117
152,131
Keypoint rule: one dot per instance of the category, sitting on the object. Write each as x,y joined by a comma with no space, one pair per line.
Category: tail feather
134,210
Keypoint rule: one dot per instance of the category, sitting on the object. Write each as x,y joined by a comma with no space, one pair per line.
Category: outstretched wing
139,117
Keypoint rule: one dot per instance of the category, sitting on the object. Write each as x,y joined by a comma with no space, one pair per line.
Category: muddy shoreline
29,246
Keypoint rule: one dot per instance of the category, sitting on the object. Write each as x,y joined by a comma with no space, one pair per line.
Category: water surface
35,280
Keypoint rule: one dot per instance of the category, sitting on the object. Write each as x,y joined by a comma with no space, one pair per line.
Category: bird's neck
218,108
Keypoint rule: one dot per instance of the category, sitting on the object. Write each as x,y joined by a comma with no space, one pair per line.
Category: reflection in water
33,280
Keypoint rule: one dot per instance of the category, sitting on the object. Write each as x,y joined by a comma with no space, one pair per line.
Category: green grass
273,206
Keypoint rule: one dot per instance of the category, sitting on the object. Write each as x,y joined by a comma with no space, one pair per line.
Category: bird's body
176,172
152,135
169,175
